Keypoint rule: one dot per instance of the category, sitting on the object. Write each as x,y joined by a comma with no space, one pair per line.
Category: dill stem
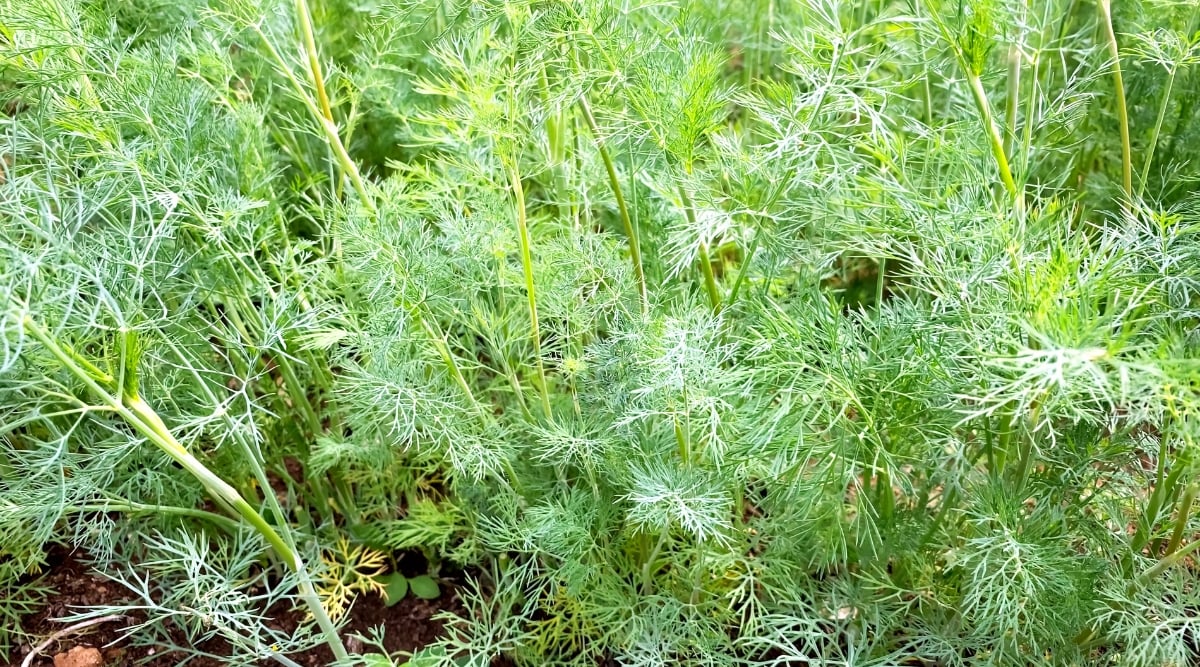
143,419
314,62
1166,562
995,141
1183,513
535,333
1013,97
648,565
982,106
131,507
439,344
1027,132
635,250
328,127
1162,488
948,500
710,281
1158,123
1105,8
741,276
681,440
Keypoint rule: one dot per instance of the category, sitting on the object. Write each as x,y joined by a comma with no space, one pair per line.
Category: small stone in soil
79,656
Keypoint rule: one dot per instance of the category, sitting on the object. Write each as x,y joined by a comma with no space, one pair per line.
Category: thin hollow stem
1183,514
535,333
635,251
682,441
456,374
304,15
131,507
880,281
648,565
1162,489
1013,98
710,281
1105,7
143,419
1166,562
982,106
328,127
995,141
1158,123
741,276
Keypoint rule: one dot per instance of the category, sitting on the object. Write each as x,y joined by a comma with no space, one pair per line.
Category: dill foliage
713,333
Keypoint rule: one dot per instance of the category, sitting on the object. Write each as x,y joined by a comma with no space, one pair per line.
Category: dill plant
701,333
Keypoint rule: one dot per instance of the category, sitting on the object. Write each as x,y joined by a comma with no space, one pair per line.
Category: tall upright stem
314,62
324,120
710,281
982,106
1105,7
535,333
1158,123
635,250
1013,98
995,140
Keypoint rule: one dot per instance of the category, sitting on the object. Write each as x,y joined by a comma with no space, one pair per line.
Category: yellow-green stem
1158,123
982,106
635,250
1105,7
535,333
328,127
993,131
1183,513
143,419
710,280
304,15
1167,562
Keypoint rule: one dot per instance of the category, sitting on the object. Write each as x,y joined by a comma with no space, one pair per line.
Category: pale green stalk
131,507
993,131
1105,8
1014,95
614,183
1158,123
143,419
983,107
1167,562
535,333
314,61
328,127
710,281
741,276
1183,513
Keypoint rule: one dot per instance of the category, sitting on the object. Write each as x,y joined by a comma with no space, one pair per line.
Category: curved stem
131,507
143,419
328,127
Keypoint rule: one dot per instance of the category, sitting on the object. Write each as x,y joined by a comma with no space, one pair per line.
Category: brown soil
409,624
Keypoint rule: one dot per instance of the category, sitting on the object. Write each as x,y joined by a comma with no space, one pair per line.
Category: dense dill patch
730,332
